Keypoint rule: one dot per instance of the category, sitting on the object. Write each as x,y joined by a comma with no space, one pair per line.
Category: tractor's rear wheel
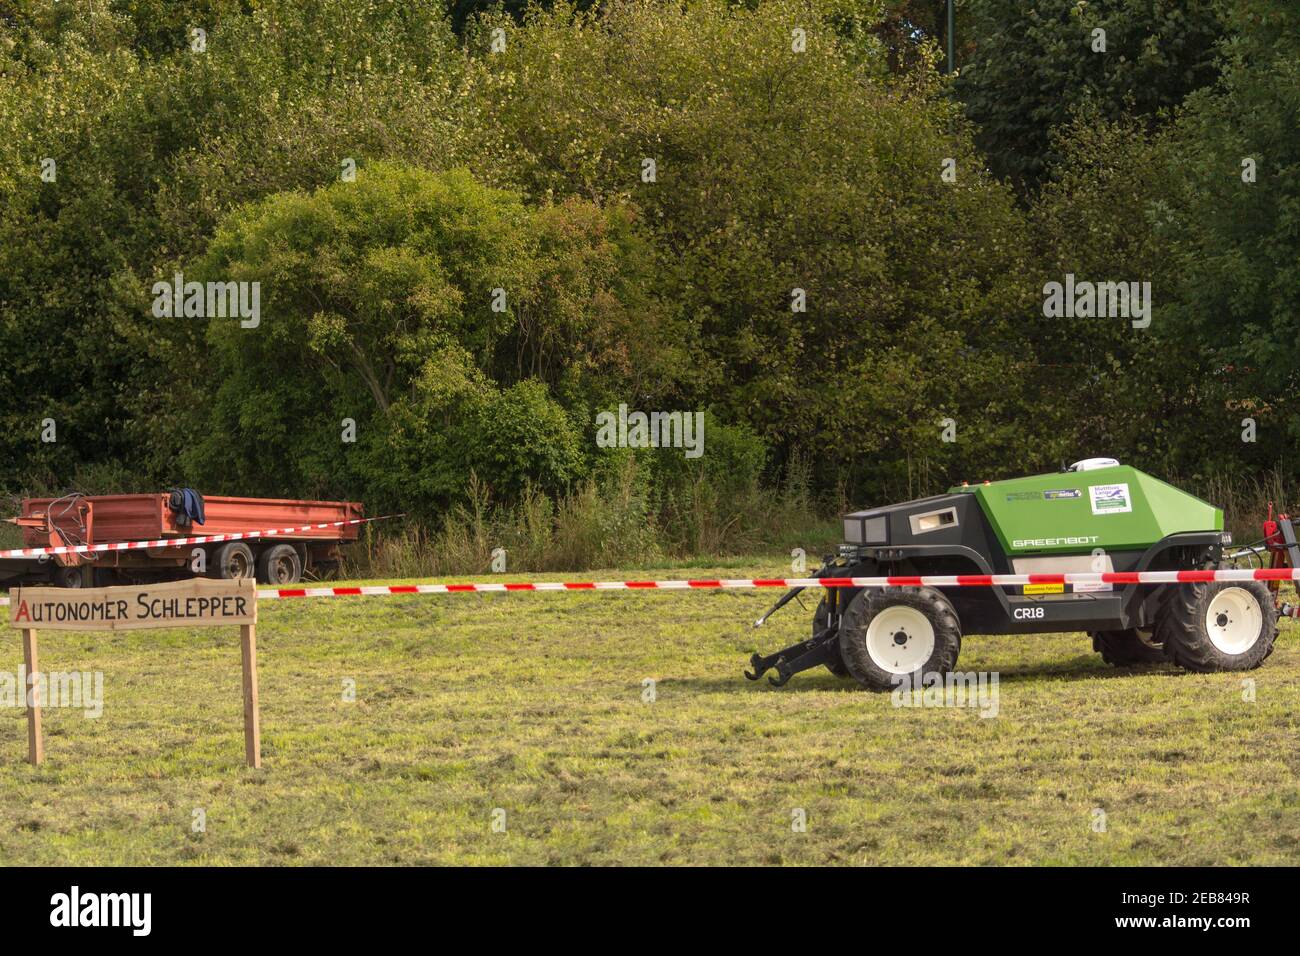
892,635
1125,648
836,664
1219,626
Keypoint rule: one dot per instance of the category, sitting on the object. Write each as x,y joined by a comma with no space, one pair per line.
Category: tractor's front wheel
1124,648
893,635
1219,626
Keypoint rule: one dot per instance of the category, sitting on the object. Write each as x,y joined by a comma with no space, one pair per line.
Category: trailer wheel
77,576
279,565
891,635
1219,626
836,664
1124,648
234,559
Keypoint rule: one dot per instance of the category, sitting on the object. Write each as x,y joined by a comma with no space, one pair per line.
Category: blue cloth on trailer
191,505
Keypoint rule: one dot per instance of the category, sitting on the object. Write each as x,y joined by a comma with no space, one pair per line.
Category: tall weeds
612,521
1245,499
615,521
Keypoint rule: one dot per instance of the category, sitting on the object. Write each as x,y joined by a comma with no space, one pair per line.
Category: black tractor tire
1125,648
234,559
836,664
868,654
1200,621
76,576
279,565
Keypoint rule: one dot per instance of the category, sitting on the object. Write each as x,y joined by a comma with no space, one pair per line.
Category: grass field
533,704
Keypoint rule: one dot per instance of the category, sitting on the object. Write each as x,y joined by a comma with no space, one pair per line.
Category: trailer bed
112,519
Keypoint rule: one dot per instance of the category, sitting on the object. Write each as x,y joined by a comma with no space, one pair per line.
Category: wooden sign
198,602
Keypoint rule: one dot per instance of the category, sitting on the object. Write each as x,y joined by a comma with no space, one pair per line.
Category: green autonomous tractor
1096,516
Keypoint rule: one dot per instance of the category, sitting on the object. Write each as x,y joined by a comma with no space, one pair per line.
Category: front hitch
822,648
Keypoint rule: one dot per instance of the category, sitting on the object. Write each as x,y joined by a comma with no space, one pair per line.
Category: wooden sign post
198,602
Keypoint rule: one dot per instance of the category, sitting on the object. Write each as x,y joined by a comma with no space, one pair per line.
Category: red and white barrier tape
926,580
180,542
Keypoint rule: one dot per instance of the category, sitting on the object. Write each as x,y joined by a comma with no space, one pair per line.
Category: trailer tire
1219,626
76,576
836,664
891,635
1125,648
234,559
279,565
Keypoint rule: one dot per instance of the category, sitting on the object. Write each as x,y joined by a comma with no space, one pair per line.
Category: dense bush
1027,68
388,302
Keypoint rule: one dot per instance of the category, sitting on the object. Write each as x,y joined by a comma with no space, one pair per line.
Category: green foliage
593,328
1170,206
383,291
152,148
774,172
525,169
523,439
1237,243
710,503
462,11
1029,67
1120,387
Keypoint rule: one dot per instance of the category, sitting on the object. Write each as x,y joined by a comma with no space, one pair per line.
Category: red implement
102,518
111,519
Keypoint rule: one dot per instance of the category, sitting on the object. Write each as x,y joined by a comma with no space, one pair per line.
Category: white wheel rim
1234,620
900,639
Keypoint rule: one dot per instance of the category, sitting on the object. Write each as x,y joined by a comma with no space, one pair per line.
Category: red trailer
101,519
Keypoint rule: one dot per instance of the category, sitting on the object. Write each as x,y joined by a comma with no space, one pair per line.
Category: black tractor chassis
991,610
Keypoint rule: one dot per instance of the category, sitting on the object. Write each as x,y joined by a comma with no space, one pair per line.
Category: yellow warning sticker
1044,588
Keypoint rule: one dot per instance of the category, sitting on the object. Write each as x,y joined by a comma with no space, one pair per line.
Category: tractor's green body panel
1115,509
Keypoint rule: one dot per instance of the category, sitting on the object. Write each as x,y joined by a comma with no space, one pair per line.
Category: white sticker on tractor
1110,499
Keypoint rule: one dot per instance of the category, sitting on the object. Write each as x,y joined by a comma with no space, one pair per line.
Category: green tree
1234,225
1140,392
1028,67
388,301
153,143
779,167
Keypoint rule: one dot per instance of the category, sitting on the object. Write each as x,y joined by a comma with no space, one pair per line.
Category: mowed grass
533,704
